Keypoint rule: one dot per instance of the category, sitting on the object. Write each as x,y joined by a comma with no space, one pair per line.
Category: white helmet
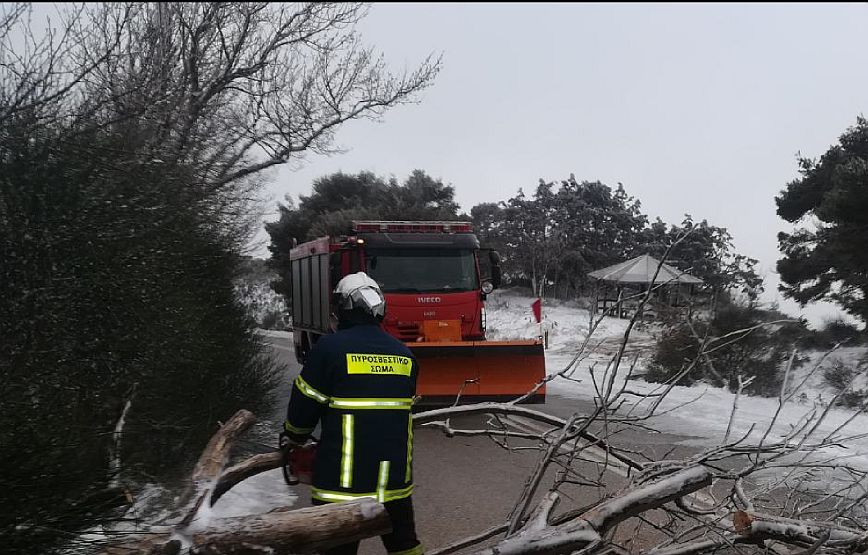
358,291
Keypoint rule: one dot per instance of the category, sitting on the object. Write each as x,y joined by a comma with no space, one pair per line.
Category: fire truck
431,275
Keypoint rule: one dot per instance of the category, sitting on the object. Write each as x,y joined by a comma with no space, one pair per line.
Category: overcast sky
697,109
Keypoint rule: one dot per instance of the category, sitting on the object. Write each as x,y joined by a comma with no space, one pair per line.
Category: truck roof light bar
373,226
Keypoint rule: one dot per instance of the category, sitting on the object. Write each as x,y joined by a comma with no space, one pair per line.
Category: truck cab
430,277
429,272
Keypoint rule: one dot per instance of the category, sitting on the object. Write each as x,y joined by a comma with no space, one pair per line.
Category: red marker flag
537,310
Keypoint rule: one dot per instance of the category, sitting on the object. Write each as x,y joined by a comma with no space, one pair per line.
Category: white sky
697,109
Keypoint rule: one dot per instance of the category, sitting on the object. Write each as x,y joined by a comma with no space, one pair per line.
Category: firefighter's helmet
360,292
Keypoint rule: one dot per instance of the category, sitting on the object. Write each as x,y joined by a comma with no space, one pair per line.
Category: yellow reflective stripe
310,391
409,448
347,453
412,551
393,494
330,496
382,481
325,495
401,403
295,430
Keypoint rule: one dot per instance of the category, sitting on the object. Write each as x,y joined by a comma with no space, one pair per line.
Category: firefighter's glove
287,442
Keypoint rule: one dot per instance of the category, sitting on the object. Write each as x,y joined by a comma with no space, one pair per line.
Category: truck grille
408,331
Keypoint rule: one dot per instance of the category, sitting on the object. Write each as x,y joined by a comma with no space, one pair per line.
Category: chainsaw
297,461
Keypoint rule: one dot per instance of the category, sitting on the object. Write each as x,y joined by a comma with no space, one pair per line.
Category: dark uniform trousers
359,383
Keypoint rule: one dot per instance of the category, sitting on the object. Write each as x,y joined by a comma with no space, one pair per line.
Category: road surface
465,485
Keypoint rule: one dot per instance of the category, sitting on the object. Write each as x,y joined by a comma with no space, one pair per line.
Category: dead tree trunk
303,530
279,532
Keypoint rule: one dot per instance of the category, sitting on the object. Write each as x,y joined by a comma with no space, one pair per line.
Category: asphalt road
465,485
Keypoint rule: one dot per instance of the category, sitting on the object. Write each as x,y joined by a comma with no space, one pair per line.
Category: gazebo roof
641,270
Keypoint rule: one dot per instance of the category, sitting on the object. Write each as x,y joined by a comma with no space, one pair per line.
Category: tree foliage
560,235
132,138
705,251
824,258
338,199
113,288
740,341
552,239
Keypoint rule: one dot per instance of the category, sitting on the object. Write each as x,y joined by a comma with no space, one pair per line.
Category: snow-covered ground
259,299
275,333
701,412
258,494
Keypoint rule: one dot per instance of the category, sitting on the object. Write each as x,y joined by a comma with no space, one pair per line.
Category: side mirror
496,276
487,287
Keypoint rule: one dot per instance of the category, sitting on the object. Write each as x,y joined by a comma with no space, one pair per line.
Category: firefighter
359,383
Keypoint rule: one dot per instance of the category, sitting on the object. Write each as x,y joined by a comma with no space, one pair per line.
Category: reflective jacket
359,382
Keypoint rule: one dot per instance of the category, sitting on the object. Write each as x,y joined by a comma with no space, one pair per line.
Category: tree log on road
278,532
281,531
300,531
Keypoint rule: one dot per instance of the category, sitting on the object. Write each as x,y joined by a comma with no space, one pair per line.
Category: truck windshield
423,270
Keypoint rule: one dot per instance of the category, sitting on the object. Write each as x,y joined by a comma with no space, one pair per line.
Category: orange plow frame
487,370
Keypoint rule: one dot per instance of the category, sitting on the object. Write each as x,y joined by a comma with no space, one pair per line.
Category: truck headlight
482,321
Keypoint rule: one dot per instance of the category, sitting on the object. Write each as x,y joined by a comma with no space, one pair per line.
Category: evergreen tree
338,199
554,238
824,259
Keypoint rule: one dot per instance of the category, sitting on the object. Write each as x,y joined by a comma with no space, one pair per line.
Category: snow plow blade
479,371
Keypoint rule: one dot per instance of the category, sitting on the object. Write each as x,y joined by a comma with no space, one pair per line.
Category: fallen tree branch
211,463
799,532
515,410
234,475
541,515
306,530
117,436
700,546
592,525
279,532
449,431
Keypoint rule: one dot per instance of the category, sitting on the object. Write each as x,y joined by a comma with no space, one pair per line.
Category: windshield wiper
429,290
449,290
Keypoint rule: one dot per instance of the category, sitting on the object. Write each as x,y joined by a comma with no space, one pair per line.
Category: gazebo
635,276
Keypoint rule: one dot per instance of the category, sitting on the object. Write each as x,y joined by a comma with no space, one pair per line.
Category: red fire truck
430,274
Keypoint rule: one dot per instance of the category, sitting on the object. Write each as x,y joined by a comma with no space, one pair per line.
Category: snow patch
274,333
701,412
258,494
